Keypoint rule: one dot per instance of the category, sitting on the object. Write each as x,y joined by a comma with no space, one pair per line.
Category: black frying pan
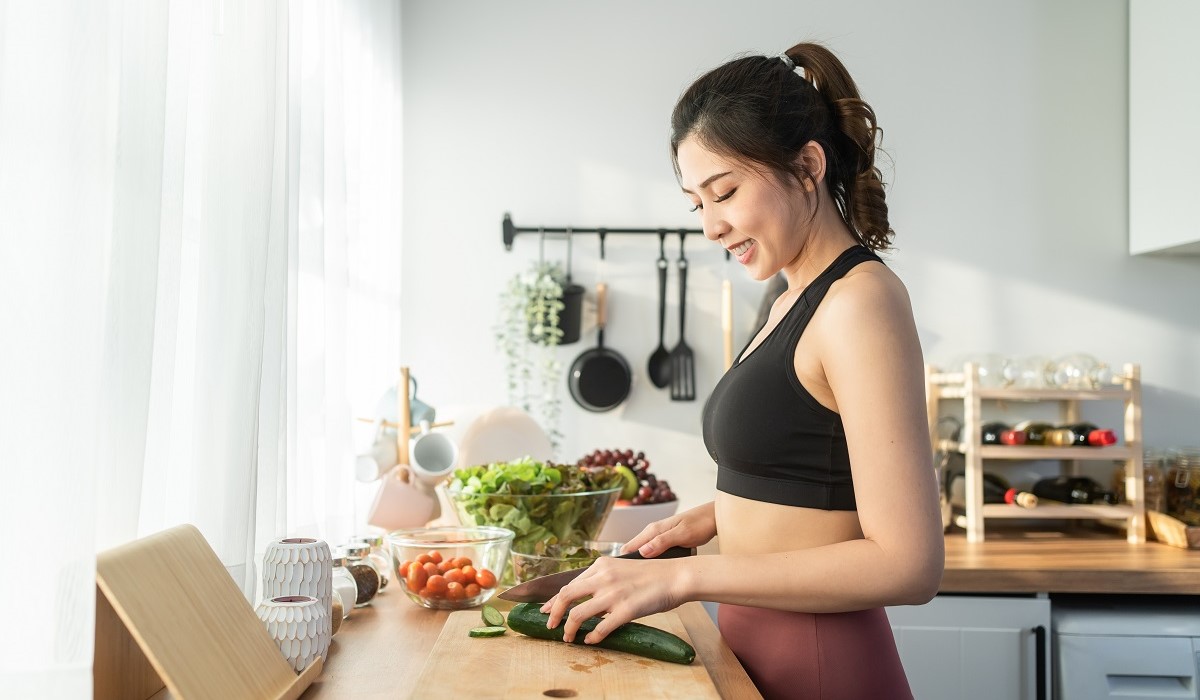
599,378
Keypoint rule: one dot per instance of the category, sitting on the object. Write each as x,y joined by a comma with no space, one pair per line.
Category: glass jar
344,586
364,573
1153,491
1032,372
379,557
1183,484
991,368
1072,371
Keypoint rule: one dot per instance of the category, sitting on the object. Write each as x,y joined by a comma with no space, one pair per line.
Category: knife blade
543,588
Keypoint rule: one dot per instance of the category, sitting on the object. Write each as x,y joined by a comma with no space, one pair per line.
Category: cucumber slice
491,631
492,617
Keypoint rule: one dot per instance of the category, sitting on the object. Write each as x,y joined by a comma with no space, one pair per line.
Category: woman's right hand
691,528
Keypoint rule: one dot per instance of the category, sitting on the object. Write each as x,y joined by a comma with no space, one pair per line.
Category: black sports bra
772,441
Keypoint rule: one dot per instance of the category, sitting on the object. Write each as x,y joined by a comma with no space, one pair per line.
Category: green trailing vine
528,336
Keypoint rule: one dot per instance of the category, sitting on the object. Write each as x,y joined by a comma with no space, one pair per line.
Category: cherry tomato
423,558
431,568
455,591
435,556
416,578
403,568
444,566
469,574
485,578
461,562
456,576
436,584
472,590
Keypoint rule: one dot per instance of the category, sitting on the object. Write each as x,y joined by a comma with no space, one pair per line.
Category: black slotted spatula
683,363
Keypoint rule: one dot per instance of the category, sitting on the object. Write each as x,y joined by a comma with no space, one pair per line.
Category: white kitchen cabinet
975,647
1164,97
1126,649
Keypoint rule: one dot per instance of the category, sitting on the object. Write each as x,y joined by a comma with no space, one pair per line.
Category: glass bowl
568,519
526,566
466,564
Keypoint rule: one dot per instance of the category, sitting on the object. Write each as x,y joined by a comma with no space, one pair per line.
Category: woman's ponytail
859,190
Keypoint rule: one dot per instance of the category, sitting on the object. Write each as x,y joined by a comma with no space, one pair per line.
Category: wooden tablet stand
170,622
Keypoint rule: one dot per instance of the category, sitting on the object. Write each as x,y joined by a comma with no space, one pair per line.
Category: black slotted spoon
659,366
683,364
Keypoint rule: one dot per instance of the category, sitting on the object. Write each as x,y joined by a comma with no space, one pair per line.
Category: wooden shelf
965,386
1002,394
1032,452
1089,511
1112,452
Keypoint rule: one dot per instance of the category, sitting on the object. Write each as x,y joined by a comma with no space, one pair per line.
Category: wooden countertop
380,650
1079,561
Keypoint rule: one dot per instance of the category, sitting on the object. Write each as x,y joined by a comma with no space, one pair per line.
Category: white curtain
199,222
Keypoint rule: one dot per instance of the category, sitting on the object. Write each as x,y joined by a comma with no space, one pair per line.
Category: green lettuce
541,502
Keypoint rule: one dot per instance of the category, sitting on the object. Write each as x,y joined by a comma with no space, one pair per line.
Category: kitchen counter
380,650
1079,561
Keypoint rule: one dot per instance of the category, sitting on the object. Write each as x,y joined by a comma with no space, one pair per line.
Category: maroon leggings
818,656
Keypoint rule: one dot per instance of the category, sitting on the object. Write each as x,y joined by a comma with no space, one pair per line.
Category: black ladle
659,366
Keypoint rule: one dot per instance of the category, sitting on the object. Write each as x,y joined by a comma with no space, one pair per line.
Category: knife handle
671,553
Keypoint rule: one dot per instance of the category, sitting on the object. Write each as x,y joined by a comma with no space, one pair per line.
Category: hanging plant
528,335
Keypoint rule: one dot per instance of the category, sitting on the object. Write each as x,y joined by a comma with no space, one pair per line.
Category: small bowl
487,548
626,521
530,566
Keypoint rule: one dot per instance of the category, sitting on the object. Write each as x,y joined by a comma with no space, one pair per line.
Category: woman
826,501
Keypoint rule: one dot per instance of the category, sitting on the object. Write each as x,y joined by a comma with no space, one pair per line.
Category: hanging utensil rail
511,230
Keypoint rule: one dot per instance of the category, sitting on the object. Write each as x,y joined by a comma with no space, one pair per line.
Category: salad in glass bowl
543,503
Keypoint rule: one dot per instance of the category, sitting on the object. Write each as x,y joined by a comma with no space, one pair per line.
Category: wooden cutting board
516,666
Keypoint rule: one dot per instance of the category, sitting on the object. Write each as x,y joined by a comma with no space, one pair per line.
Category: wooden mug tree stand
171,623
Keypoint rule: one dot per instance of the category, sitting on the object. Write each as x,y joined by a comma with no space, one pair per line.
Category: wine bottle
1020,498
1073,489
1013,437
991,433
1035,431
1080,435
1001,434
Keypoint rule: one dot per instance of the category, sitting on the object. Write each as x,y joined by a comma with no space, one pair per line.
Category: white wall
1006,122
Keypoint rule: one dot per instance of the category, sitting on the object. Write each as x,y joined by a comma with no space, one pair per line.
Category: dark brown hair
758,110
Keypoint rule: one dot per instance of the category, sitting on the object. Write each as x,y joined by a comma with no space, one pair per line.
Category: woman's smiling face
758,219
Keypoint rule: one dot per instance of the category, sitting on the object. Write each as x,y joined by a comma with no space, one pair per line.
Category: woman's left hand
621,589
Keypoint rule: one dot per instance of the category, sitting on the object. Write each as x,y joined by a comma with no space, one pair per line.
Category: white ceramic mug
432,455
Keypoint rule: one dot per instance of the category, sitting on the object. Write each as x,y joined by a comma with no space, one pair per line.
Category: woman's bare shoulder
871,292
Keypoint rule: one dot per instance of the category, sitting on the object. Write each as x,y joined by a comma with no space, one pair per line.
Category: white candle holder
300,627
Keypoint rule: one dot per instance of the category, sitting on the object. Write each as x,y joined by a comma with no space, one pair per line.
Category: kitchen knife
543,588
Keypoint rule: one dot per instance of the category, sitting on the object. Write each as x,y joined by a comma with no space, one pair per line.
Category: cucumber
490,631
631,637
492,617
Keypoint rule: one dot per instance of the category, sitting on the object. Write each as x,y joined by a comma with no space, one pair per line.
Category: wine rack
965,386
